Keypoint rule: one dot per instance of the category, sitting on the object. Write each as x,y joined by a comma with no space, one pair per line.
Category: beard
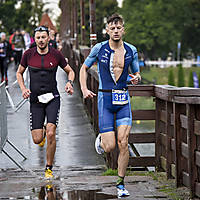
42,48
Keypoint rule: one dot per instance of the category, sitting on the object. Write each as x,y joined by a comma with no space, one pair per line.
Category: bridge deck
77,166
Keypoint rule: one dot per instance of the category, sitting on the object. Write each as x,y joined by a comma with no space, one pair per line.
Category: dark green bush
171,80
181,76
190,81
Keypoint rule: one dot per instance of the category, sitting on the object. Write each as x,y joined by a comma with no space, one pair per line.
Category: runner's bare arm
83,79
25,92
136,78
69,87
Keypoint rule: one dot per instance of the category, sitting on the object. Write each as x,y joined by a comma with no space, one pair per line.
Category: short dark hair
40,29
115,18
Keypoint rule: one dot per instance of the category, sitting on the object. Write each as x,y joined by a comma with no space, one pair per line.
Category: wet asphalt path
75,136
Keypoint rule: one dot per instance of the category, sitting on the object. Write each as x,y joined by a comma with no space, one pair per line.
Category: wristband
71,82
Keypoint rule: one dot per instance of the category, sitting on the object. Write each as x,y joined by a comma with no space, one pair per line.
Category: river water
144,127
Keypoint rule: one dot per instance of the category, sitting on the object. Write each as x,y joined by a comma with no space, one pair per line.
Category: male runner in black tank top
42,62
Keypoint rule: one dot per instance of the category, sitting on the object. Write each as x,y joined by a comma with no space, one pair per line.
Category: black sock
49,167
120,181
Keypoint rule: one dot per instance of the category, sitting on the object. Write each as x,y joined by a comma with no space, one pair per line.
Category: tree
191,26
25,16
149,26
37,11
156,26
171,80
181,76
7,15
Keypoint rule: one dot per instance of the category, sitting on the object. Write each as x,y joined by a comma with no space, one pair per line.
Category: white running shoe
131,152
122,192
98,147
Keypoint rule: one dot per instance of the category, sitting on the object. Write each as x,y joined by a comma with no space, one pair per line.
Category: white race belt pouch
45,98
119,97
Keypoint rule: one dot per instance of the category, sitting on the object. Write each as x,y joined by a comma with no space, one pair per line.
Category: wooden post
177,133
191,141
157,132
169,111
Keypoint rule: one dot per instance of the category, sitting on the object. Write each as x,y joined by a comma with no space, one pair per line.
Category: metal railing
3,117
3,126
10,92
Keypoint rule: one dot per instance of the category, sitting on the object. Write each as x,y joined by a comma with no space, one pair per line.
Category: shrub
181,76
190,81
171,80
199,77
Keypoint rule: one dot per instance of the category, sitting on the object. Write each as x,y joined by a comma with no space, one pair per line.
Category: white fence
163,64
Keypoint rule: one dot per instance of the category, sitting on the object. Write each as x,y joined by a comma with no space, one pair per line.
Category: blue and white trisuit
103,55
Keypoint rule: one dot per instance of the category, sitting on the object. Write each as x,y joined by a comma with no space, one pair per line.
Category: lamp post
75,24
82,9
93,35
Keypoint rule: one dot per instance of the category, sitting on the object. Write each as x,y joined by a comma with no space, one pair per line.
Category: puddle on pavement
89,195
53,193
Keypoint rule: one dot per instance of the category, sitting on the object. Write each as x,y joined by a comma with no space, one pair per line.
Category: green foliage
199,77
171,80
142,103
7,9
190,81
191,28
37,11
155,27
149,26
23,15
110,172
114,172
26,15
181,78
161,74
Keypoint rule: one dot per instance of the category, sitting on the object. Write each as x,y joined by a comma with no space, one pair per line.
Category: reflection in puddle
51,192
87,195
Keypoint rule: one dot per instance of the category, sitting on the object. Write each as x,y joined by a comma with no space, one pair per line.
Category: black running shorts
38,111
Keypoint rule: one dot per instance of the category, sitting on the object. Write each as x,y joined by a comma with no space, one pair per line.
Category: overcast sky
53,6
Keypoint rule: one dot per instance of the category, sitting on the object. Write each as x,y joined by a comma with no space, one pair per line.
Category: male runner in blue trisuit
42,62
114,57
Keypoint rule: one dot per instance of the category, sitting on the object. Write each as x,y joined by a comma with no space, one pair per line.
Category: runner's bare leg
51,142
123,159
